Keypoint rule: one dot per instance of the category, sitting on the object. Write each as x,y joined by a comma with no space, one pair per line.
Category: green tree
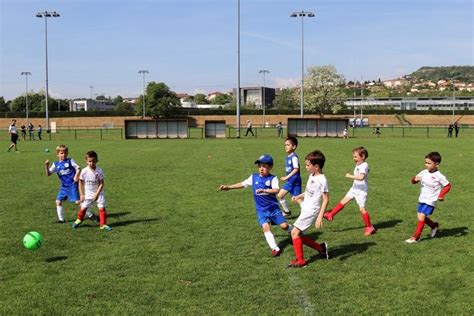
286,99
222,99
323,89
3,105
124,106
160,100
200,98
118,99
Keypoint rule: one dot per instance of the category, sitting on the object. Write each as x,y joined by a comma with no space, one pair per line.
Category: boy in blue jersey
68,172
293,177
264,187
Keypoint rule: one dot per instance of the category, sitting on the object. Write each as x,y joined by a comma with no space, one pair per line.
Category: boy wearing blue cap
265,188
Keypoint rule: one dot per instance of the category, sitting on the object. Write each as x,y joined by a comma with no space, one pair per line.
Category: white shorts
89,202
361,198
306,219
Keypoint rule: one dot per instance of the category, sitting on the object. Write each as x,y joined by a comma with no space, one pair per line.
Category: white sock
60,212
271,240
284,205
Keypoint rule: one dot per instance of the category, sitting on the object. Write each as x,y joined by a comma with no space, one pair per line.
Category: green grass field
180,247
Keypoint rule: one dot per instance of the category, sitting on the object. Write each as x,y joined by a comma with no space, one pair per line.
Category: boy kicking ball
434,186
264,188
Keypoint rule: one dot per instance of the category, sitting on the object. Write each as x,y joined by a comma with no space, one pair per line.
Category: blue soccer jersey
66,170
292,162
264,202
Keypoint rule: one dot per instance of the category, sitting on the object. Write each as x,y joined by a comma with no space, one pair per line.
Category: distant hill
461,73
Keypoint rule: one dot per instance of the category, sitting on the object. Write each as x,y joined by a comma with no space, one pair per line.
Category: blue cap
265,159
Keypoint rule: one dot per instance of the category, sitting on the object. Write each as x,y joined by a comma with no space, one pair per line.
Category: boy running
91,188
313,204
293,177
358,191
434,186
264,187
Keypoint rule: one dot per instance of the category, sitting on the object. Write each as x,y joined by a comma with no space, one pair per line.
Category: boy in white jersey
434,186
91,189
313,202
265,187
358,191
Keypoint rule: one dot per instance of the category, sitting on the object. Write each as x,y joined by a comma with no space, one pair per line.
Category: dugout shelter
316,127
156,129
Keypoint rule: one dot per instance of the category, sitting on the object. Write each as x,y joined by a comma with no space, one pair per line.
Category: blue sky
191,44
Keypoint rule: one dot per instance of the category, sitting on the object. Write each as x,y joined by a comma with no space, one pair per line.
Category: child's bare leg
286,227
281,198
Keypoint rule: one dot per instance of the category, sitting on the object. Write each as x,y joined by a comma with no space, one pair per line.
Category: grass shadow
452,232
55,259
133,221
381,225
112,215
346,251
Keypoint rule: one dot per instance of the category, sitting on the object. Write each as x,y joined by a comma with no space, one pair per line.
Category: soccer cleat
412,240
60,221
434,230
369,231
297,264
107,228
276,253
76,224
325,252
286,214
328,216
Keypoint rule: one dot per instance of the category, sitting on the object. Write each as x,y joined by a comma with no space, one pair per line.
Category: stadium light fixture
302,14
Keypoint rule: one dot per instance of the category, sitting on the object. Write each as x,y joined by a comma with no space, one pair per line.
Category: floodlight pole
302,14
47,15
26,74
237,97
454,101
143,72
92,90
263,71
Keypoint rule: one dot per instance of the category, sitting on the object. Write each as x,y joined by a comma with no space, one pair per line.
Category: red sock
81,214
430,223
102,216
366,218
336,209
298,248
311,243
419,229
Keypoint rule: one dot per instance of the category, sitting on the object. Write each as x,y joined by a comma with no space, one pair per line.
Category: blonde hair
62,148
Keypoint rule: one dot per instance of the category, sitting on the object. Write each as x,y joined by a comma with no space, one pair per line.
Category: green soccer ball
32,240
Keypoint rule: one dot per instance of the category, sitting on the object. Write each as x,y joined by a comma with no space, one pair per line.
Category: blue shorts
293,188
71,193
274,217
425,209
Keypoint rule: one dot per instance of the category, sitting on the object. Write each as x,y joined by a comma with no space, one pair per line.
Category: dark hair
362,151
293,140
316,158
434,156
92,154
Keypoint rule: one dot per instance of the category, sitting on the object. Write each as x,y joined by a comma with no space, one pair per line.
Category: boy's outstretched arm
292,173
444,191
46,168
353,177
415,180
224,187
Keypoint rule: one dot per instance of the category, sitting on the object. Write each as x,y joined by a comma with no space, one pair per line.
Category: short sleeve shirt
66,170
361,186
431,185
263,201
315,187
92,179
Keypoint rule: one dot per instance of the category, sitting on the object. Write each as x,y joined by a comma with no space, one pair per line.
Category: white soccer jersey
315,187
91,180
431,185
12,129
361,186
